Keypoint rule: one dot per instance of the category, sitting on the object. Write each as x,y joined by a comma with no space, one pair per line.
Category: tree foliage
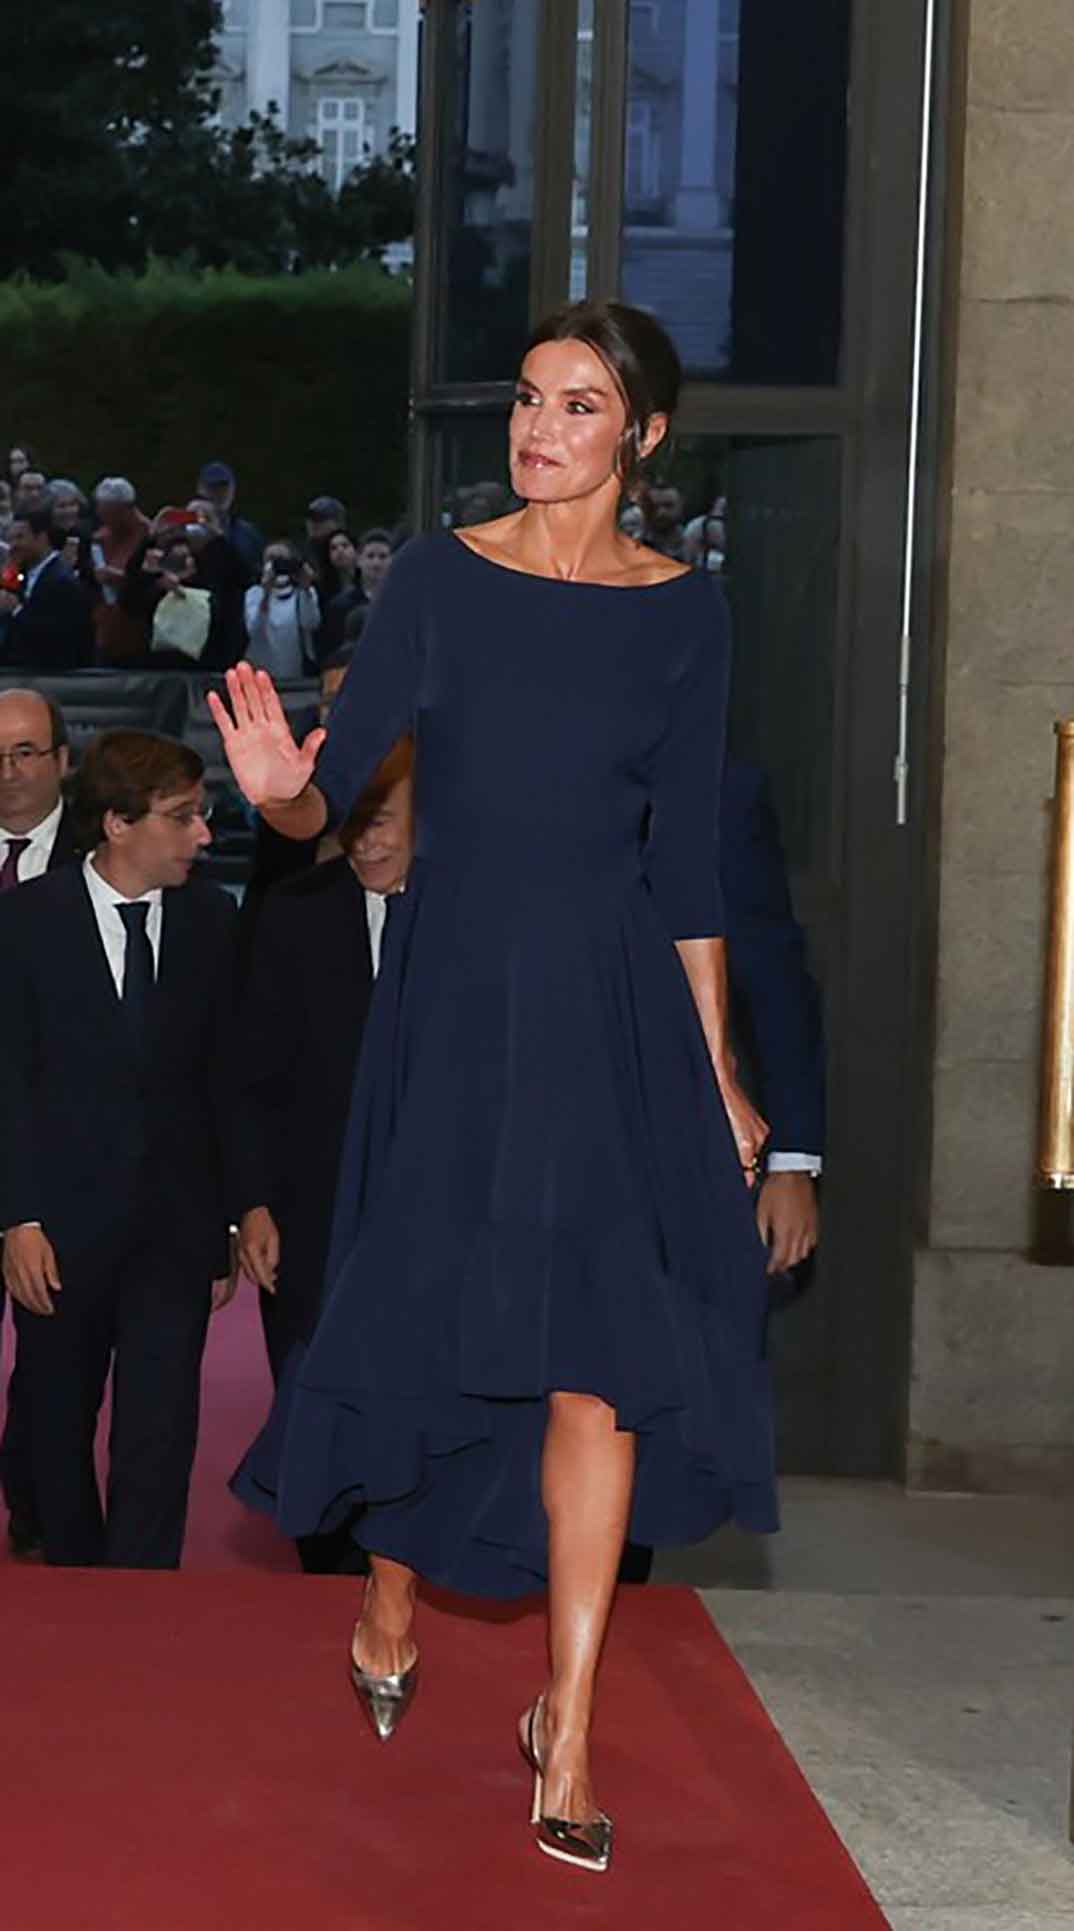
298,381
115,153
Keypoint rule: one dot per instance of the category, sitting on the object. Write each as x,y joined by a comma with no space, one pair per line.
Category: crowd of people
91,579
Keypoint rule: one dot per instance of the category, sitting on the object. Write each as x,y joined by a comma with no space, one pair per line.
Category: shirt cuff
810,1163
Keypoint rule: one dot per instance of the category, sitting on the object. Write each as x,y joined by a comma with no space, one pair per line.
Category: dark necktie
9,870
137,968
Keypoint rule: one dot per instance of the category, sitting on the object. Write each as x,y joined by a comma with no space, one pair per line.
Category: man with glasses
36,836
116,989
35,826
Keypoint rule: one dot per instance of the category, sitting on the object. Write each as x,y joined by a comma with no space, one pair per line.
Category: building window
385,16
345,16
340,137
306,16
233,15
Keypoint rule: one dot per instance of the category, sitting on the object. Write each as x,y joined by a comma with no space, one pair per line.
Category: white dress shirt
810,1163
376,911
34,860
106,901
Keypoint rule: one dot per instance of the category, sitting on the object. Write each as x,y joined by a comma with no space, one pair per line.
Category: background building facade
340,72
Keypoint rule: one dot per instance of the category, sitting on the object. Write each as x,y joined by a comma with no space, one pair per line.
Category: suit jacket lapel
177,951
63,845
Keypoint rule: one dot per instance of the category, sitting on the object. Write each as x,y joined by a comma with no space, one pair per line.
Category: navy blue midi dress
539,1188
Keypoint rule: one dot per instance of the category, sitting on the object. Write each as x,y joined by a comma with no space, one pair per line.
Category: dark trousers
16,1468
141,1310
286,1326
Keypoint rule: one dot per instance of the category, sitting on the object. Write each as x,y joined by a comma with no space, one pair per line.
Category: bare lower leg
587,1476
383,1637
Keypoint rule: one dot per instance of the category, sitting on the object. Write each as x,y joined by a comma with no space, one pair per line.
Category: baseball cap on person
215,474
323,507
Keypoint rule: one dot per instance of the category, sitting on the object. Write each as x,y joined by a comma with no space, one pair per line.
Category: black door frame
875,866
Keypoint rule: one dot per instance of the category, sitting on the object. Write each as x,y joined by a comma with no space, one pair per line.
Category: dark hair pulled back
636,351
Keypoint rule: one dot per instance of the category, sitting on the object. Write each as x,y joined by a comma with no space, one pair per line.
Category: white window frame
318,21
384,33
336,123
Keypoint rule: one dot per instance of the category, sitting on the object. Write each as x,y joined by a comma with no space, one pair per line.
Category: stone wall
992,1396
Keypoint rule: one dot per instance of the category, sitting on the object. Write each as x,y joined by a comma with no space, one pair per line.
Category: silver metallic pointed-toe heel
589,1845
385,1699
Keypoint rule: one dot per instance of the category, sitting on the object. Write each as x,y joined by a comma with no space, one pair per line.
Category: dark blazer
303,1013
64,850
775,1007
87,1124
53,629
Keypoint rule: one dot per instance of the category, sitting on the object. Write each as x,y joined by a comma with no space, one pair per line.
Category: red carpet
183,1754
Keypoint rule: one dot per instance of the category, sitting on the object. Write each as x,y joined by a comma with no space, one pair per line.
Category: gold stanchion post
1055,1140
1055,1143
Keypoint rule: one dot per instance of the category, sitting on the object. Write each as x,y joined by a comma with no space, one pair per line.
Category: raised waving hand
269,767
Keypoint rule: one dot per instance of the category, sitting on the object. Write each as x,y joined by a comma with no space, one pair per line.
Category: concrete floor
917,1652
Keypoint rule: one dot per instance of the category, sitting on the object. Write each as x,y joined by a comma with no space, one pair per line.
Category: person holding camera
283,615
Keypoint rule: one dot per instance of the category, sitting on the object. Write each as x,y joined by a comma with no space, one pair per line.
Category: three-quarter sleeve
682,854
378,697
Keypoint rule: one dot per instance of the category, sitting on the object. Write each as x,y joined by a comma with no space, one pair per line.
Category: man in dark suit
276,857
50,628
116,987
315,957
775,1017
36,836
775,1014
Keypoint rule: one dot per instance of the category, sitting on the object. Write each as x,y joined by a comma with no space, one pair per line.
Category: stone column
406,67
268,56
992,1395
698,203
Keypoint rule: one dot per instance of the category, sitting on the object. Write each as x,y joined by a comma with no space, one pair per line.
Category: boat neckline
574,583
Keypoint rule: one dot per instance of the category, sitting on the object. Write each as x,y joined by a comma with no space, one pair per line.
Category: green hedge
299,382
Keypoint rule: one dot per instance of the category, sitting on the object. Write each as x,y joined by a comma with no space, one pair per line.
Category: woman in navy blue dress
544,1308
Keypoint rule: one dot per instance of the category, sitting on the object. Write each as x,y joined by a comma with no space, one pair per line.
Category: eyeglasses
186,818
23,757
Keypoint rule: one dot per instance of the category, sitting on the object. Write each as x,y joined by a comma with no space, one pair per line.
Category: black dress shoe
23,1538
636,1564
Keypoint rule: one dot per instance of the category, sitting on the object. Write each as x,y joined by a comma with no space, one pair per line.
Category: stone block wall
992,1393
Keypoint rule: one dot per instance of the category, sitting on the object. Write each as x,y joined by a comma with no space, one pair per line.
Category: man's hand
31,1274
223,1291
259,1247
788,1217
223,1288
